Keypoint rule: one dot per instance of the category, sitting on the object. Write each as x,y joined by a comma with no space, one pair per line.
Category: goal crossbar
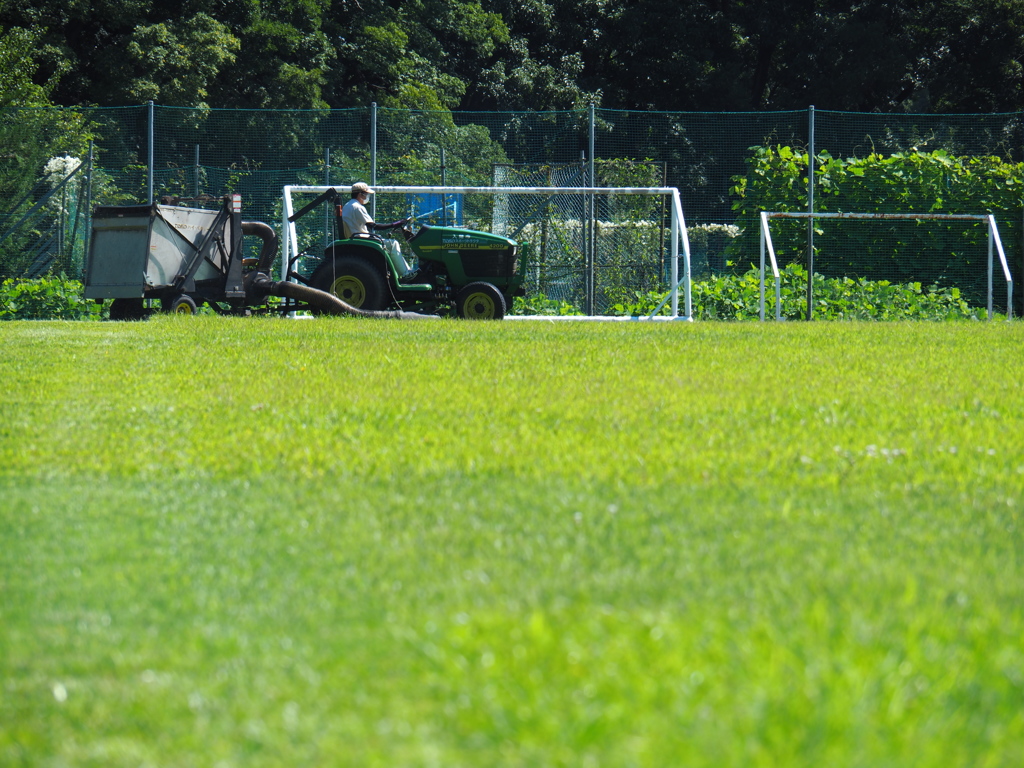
995,246
678,224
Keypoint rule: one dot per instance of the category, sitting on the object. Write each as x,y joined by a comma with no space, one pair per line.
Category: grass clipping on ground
249,542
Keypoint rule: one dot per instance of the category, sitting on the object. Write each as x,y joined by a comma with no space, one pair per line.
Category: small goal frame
680,274
995,245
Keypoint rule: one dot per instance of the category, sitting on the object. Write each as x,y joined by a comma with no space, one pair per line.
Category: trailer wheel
353,280
480,301
180,305
127,309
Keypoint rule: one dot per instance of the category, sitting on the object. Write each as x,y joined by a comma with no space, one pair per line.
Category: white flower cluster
59,168
728,230
701,234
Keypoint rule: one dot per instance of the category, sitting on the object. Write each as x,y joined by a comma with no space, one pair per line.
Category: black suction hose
327,303
269,250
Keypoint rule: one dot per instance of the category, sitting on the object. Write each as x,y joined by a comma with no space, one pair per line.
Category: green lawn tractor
463,272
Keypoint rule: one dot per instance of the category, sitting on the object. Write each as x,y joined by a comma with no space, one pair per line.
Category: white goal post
679,278
995,245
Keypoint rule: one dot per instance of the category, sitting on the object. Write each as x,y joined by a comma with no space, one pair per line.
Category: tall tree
949,55
424,54
284,55
554,58
170,62
19,69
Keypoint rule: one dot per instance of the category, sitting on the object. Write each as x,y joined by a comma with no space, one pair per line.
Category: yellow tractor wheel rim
479,306
350,290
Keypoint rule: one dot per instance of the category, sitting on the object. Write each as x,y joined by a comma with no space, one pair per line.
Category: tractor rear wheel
480,301
353,280
127,309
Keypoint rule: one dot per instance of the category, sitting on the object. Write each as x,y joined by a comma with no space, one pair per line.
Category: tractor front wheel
179,305
480,301
353,280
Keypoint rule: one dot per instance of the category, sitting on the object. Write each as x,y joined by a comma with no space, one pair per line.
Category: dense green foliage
729,296
915,181
54,297
248,542
948,56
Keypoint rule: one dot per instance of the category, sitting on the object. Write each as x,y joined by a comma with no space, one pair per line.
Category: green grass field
256,542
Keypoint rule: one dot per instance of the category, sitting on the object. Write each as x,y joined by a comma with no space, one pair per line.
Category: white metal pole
766,238
991,244
677,203
674,270
764,220
1001,252
287,232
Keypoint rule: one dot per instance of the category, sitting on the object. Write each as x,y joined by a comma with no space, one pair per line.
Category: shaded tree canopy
689,55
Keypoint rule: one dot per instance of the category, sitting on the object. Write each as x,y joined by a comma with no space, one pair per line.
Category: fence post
62,223
149,158
373,157
444,197
586,224
196,195
591,214
87,245
328,211
810,210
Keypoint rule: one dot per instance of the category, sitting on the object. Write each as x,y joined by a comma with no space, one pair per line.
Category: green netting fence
727,166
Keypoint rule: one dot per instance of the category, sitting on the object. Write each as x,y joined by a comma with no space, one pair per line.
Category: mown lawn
256,542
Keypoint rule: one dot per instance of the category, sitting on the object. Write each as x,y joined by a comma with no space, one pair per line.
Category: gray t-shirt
354,218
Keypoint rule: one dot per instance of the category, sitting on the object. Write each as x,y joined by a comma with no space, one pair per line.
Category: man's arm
392,225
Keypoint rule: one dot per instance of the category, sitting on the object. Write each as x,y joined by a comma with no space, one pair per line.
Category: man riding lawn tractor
473,274
356,222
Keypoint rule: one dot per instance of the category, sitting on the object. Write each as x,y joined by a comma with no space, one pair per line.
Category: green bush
54,297
540,304
737,297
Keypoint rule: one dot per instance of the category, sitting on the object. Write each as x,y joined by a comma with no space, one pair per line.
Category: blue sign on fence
445,210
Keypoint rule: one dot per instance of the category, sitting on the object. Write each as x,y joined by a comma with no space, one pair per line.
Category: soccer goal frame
679,243
995,246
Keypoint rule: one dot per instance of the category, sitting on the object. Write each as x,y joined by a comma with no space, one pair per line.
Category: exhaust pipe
259,285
